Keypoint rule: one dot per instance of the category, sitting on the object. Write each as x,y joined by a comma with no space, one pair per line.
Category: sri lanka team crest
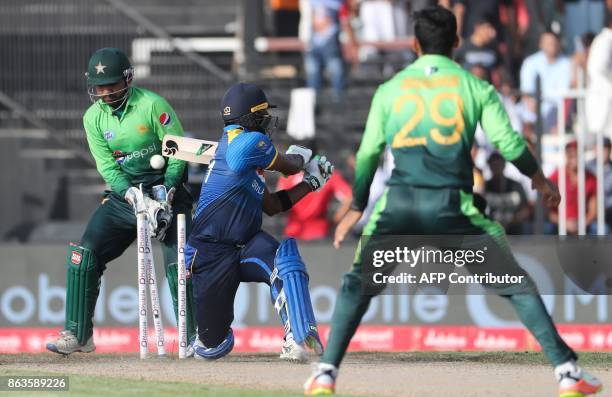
165,118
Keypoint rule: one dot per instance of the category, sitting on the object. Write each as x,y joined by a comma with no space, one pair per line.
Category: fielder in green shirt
124,127
427,114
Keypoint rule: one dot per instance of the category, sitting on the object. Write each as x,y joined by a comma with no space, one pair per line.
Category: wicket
148,279
182,286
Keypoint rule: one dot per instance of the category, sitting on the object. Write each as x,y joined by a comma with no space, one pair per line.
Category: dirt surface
409,374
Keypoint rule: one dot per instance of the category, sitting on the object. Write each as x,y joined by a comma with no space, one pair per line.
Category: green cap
108,66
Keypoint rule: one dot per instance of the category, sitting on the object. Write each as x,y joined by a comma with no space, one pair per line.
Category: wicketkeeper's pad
82,288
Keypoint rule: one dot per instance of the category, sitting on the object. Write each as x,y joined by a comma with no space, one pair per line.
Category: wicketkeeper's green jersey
428,114
122,143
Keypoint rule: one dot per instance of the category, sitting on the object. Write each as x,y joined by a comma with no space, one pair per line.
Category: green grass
97,386
103,386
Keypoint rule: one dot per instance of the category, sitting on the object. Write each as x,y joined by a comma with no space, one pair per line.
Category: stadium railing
582,132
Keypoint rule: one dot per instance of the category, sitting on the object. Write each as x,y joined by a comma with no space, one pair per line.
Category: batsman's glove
302,151
317,172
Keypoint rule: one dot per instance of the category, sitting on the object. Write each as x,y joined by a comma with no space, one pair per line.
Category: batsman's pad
172,276
213,353
294,297
82,288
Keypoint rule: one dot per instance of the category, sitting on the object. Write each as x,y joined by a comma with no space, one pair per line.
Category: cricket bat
188,149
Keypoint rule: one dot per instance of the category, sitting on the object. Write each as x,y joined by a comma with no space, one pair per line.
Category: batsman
428,114
124,127
227,246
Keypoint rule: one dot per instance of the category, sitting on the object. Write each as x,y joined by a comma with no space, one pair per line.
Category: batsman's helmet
246,104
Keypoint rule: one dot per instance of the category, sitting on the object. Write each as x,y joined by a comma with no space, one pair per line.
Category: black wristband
526,163
284,199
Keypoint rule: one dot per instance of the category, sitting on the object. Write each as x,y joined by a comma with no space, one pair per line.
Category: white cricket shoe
189,352
67,343
574,382
322,382
293,351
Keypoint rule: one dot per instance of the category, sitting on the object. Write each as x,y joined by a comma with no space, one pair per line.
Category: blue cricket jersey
230,204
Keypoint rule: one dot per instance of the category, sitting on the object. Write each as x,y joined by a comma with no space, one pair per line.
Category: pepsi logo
165,118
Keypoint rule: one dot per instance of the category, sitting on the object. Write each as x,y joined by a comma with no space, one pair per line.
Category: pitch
363,374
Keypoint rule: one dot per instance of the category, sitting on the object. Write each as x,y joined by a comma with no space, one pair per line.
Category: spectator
383,21
308,220
323,22
580,17
541,16
580,59
571,192
506,198
516,113
554,70
285,17
514,108
377,188
480,71
592,166
469,12
599,95
481,49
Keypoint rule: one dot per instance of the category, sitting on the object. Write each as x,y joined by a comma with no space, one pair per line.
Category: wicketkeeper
227,246
124,126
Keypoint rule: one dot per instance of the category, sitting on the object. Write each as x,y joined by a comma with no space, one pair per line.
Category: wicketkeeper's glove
159,211
302,151
135,197
317,172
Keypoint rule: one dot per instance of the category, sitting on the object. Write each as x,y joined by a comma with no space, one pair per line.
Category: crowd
520,46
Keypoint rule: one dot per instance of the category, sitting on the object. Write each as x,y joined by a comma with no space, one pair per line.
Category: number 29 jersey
428,114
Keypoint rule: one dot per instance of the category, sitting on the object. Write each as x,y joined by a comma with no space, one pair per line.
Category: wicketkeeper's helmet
108,66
